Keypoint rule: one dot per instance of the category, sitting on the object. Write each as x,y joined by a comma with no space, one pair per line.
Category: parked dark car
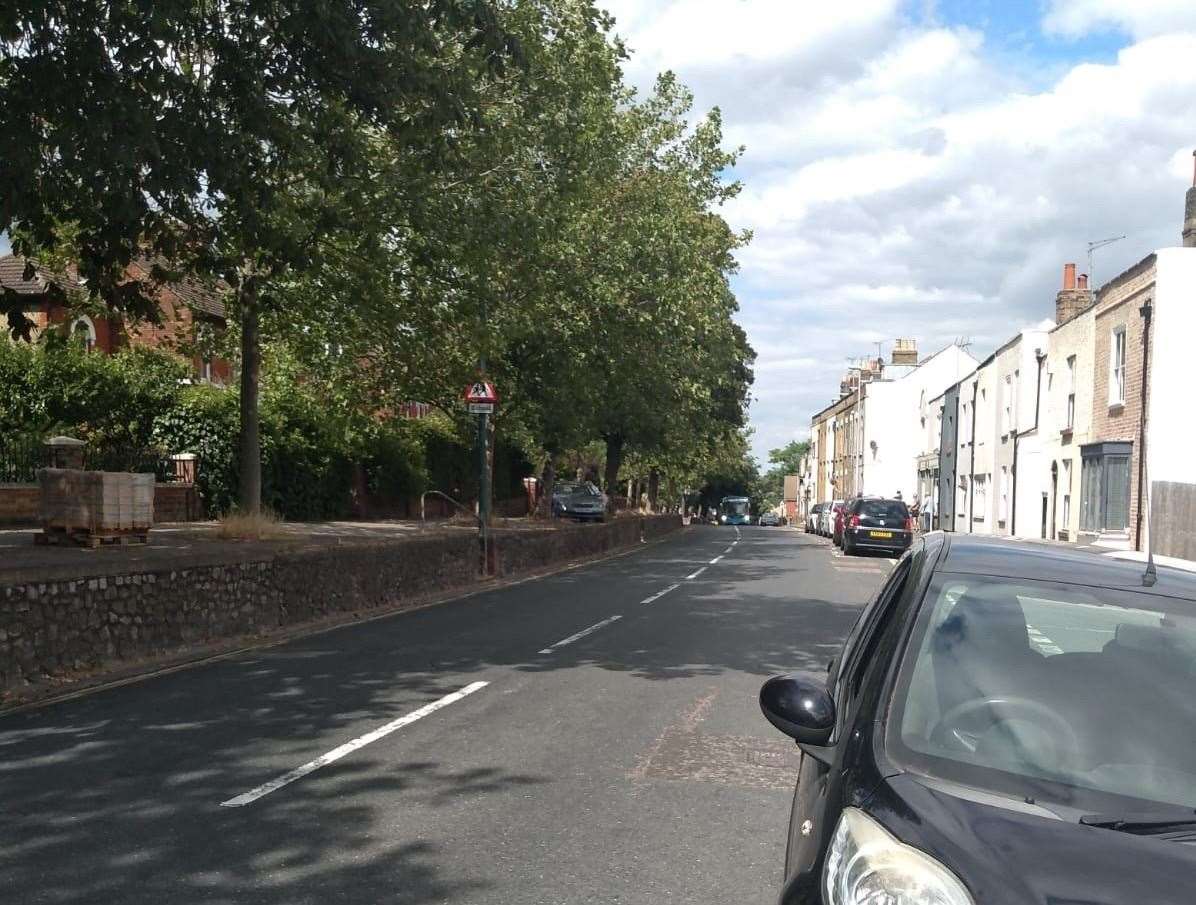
814,518
770,520
1006,724
579,500
876,524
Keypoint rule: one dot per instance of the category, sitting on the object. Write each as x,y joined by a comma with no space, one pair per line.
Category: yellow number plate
880,533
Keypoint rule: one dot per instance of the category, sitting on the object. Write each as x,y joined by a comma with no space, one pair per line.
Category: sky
925,169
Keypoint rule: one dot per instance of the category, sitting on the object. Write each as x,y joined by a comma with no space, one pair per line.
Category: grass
263,525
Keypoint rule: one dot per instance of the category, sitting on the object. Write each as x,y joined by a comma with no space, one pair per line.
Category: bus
734,510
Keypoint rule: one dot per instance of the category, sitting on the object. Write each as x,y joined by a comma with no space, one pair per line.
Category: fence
21,457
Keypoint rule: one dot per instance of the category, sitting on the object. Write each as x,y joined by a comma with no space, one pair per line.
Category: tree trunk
653,488
549,484
250,486
614,459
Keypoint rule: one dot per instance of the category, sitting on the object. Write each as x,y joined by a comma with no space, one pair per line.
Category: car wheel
848,547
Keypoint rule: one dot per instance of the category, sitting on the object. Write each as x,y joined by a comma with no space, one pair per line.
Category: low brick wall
54,628
20,504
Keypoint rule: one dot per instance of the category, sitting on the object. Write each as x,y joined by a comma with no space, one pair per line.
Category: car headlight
865,864
724,518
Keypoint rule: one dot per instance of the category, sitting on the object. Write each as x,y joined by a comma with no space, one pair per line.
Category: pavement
590,736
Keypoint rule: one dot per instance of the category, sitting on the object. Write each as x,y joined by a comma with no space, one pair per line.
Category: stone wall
59,627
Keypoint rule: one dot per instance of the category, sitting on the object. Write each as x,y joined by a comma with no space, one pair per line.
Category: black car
877,524
1007,724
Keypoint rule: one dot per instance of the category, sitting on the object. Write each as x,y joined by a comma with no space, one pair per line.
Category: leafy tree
785,460
232,138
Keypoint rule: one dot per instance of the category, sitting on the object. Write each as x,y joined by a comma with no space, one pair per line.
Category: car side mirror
799,706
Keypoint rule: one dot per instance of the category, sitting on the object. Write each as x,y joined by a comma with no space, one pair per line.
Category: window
961,507
205,370
1071,392
980,501
1066,488
1007,412
1004,501
1105,487
84,331
1117,368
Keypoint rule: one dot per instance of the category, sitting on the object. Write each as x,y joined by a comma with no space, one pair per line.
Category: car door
819,779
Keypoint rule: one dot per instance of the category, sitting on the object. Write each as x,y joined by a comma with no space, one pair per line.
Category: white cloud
901,181
1139,18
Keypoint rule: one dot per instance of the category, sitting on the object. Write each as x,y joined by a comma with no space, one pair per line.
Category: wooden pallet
83,538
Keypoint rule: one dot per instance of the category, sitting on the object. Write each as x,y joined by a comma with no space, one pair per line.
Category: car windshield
735,507
886,509
1056,692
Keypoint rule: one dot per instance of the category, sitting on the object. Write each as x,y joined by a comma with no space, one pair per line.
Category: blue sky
924,168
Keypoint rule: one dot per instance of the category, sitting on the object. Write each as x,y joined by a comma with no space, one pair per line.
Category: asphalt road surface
592,736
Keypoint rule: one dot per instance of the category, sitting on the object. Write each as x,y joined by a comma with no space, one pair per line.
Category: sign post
481,397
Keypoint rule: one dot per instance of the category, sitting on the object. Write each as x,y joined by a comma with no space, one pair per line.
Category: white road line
892,562
693,575
714,562
580,635
729,549
659,594
349,747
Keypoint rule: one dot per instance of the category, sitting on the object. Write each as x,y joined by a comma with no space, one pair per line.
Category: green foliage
55,386
784,461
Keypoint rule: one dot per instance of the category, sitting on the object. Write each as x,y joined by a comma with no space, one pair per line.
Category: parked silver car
814,518
826,522
579,500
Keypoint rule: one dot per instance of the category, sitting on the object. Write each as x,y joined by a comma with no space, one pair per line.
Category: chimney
1072,298
905,352
1190,213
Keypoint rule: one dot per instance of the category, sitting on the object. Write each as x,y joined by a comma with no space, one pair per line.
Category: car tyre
848,547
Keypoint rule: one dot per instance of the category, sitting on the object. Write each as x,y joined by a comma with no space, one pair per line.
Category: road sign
481,408
481,391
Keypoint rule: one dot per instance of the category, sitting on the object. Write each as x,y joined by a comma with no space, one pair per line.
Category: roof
193,293
1039,561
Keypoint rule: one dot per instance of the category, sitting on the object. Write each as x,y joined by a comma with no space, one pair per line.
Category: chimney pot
1082,281
1069,276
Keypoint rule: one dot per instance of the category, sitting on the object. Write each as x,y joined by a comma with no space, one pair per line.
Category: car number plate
880,533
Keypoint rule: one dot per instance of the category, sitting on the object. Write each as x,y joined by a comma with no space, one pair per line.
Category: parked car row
863,523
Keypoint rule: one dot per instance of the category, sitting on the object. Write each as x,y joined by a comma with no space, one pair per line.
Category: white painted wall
892,421
1171,412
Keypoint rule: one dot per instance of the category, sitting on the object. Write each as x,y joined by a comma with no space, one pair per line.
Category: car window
1072,691
894,509
862,637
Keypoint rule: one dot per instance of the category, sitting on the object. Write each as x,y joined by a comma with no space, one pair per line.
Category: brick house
186,309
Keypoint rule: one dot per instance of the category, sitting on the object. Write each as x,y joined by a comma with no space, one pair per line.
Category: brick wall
58,627
1117,308
20,504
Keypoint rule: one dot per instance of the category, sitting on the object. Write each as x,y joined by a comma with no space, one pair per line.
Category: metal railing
20,459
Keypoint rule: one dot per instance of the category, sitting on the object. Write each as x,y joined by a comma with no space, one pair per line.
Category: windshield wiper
1143,824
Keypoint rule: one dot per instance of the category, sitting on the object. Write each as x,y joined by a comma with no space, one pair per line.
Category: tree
785,460
230,138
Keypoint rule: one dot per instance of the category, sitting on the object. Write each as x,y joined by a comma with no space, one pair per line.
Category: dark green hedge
311,448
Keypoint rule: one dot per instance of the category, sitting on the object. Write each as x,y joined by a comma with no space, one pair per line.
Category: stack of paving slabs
94,507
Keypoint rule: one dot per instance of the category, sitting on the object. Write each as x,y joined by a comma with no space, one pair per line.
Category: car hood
1007,856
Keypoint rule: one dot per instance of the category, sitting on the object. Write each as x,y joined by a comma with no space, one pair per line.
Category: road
486,750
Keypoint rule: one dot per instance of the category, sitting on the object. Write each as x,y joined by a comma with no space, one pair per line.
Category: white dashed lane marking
349,747
579,635
692,575
660,594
